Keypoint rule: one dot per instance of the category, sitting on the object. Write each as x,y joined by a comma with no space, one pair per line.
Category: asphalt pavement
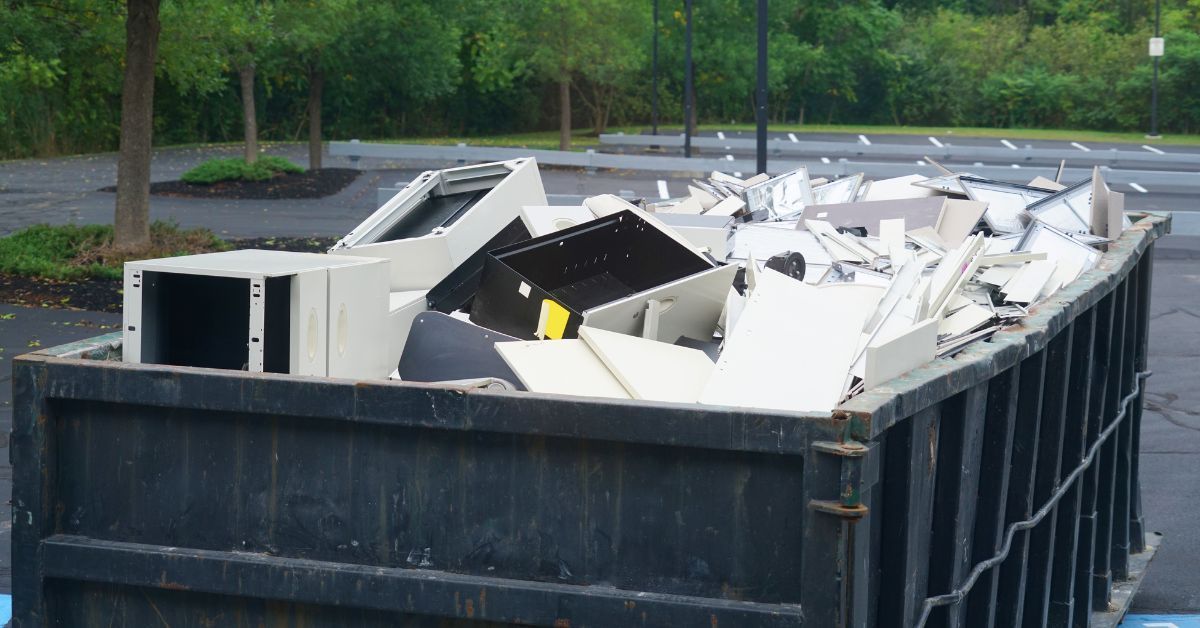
64,190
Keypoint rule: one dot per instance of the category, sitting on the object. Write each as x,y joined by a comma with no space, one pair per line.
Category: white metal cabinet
427,233
261,311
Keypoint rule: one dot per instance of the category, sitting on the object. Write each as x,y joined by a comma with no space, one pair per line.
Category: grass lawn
582,139
72,252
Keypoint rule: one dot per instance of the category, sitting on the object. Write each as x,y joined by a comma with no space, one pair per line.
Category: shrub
235,169
72,252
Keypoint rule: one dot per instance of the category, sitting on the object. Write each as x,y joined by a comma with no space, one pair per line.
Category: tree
131,219
306,31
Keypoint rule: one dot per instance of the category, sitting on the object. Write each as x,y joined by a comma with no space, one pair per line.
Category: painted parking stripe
737,174
1016,166
728,157
792,136
1153,150
933,140
1081,147
662,189
920,162
1009,144
1138,187
824,160
864,140
720,135
1161,621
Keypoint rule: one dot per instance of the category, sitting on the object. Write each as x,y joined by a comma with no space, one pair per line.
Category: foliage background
397,68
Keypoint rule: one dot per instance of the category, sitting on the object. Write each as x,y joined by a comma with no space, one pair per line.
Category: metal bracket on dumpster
849,503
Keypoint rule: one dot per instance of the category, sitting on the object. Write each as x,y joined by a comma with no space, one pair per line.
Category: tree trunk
249,115
564,114
131,218
316,84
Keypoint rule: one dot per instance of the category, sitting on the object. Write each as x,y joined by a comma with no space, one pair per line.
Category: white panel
357,321
897,188
889,357
651,370
258,316
690,307
308,324
416,263
791,350
566,367
403,307
244,263
131,344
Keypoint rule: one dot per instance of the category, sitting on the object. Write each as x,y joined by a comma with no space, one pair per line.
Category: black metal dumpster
997,488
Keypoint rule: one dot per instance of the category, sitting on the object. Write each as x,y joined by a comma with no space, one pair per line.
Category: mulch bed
104,295
308,184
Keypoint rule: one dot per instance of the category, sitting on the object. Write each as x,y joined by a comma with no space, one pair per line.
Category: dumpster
995,488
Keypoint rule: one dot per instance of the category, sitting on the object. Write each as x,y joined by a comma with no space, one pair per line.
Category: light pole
654,73
1156,52
761,104
688,103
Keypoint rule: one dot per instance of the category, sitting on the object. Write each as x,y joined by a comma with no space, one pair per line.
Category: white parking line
824,160
1016,166
792,136
920,162
1009,144
1081,147
737,174
1153,150
663,192
934,141
720,135
1138,188
728,157
864,140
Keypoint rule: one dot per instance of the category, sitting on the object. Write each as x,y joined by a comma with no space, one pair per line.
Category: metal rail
593,160
959,594
949,152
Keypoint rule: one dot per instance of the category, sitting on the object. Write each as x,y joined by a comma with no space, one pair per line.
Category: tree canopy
394,68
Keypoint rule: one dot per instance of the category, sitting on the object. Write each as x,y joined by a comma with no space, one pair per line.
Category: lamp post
687,83
761,100
1156,52
654,74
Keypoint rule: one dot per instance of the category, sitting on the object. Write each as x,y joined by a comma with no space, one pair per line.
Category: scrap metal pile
780,292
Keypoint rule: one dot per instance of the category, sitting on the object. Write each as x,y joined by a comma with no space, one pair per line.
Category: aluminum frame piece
424,256
1007,202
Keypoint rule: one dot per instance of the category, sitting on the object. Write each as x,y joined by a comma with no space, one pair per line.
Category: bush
72,252
234,169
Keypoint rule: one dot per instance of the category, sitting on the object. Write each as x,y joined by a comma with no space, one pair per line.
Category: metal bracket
849,503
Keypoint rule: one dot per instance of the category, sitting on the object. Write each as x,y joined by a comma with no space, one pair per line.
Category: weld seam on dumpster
960,593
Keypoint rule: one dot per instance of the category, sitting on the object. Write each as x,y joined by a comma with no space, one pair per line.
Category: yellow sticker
552,321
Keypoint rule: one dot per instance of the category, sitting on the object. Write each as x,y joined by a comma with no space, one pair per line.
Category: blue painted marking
1161,621
5,609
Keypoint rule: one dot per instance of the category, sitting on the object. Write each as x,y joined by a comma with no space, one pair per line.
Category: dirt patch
105,295
308,184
